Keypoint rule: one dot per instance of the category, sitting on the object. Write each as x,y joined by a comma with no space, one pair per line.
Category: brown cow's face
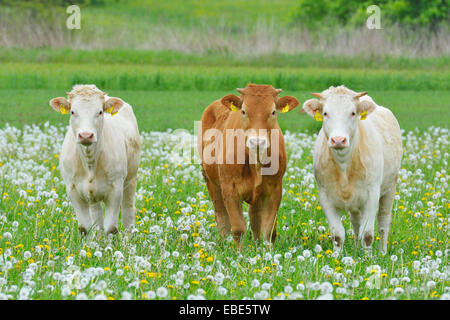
258,106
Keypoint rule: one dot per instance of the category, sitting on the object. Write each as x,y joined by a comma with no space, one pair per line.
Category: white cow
100,157
356,162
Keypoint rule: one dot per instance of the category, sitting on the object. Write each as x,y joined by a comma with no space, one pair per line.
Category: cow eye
273,112
72,112
325,114
353,113
243,112
100,113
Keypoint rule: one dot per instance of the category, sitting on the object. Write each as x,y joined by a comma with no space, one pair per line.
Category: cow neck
89,155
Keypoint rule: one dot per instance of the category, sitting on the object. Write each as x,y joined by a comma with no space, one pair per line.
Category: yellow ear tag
285,109
110,110
63,110
233,107
363,115
318,117
114,113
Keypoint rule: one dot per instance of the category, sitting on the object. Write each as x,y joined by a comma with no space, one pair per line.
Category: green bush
413,13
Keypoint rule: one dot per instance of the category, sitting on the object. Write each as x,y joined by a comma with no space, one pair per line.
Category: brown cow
247,141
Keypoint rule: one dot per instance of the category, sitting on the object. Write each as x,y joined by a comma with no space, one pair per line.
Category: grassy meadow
169,64
175,251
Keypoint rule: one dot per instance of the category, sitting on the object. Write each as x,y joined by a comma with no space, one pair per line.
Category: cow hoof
368,239
82,230
337,241
112,230
238,236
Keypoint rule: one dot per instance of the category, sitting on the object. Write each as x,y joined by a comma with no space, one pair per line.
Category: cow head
86,105
257,107
340,109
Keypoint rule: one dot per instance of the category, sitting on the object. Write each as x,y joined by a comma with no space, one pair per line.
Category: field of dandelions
175,251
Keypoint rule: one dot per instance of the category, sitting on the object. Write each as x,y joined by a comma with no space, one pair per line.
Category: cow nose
338,142
86,137
257,142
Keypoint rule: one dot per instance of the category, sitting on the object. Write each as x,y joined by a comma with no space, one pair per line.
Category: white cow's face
86,118
340,114
339,121
86,114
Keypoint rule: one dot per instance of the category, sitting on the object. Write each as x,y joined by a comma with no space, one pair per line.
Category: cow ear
287,103
313,107
365,107
112,105
60,104
232,102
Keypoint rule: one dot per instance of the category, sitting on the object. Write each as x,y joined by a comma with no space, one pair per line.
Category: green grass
182,13
174,78
161,110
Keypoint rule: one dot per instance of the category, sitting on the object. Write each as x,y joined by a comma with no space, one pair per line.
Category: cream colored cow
357,157
100,157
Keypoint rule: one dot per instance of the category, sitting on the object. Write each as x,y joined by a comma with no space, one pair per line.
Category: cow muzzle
338,142
86,138
257,142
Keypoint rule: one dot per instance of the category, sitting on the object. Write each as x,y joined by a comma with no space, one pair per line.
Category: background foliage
411,13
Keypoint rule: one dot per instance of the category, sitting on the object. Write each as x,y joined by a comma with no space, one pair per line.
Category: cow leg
81,209
334,221
385,218
222,218
113,202
128,208
233,206
269,215
255,213
368,215
355,218
221,214
96,211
